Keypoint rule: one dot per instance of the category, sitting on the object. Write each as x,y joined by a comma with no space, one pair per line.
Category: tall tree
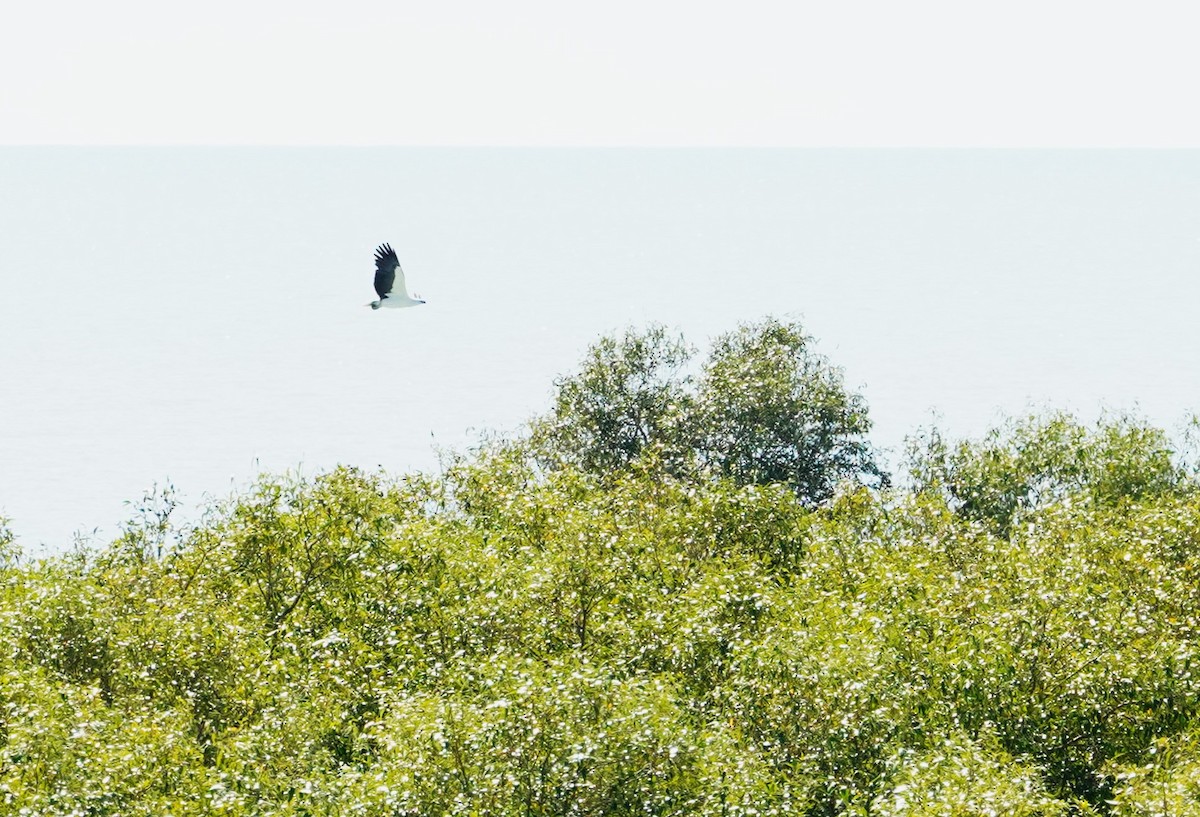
631,393
766,409
774,411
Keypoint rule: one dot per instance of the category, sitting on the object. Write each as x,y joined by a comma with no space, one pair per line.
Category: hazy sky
541,72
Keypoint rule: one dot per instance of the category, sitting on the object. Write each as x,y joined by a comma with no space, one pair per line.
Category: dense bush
1014,634
1037,461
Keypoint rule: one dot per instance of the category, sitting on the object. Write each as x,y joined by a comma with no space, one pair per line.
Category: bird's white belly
395,302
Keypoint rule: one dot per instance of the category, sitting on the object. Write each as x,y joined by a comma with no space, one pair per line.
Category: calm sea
196,316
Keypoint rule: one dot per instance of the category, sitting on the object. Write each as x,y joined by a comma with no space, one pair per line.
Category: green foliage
1016,635
10,554
963,777
631,394
1166,785
1042,460
774,412
767,410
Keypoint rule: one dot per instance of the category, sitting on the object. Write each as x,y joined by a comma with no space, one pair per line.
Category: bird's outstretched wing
387,271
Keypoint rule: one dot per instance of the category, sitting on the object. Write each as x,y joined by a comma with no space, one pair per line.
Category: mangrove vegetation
690,588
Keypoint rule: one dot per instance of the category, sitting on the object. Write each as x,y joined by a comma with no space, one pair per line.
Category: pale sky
1031,73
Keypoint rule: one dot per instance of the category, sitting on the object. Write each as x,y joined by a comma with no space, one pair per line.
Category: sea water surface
196,315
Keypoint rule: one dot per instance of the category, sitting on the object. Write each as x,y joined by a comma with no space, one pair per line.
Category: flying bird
389,280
